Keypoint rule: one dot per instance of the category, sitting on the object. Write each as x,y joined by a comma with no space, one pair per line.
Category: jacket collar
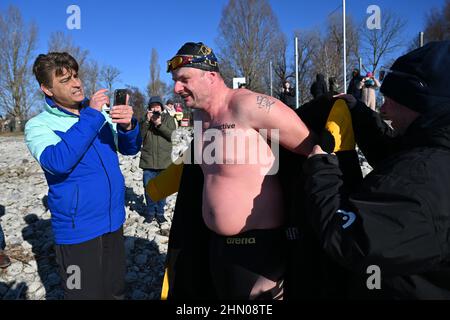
52,107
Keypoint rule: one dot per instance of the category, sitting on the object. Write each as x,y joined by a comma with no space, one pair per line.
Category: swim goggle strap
206,62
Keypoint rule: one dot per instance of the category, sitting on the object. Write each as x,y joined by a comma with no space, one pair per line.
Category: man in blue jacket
76,144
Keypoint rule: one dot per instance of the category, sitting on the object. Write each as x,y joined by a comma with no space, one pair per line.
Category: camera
156,113
369,83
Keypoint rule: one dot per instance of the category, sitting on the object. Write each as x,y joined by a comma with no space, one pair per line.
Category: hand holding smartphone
120,98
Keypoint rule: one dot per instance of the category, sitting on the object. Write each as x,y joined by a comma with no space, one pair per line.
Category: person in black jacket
319,87
393,233
354,85
287,95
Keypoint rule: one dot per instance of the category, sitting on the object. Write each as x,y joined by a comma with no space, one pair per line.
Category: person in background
368,85
170,107
332,85
178,107
156,153
287,95
319,87
353,86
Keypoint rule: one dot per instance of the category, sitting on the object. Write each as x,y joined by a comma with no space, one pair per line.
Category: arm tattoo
264,102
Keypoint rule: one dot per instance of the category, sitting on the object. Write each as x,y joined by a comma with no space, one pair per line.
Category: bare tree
328,52
248,33
91,77
17,45
108,76
279,65
155,87
308,45
437,27
61,42
438,24
379,44
137,100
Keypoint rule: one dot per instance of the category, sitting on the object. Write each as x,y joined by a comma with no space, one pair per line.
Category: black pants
94,269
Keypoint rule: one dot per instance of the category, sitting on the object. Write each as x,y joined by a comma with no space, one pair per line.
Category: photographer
368,85
287,95
156,131
76,143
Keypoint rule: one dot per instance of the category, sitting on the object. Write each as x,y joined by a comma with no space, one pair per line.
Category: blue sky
122,33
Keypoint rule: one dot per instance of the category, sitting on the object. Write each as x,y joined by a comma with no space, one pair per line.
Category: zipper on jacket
74,208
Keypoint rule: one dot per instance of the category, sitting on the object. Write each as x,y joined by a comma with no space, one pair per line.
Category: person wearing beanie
319,87
156,154
393,233
242,203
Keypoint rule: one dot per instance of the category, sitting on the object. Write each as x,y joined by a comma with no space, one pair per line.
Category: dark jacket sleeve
166,128
384,224
144,125
374,136
351,86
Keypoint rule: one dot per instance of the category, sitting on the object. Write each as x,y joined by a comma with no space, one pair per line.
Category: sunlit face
192,85
67,89
401,116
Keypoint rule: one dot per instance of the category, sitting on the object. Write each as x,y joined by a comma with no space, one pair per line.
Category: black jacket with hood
319,87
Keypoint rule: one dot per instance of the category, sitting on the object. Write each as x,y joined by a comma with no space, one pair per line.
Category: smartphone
120,97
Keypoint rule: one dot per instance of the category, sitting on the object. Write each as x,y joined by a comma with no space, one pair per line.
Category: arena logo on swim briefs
229,145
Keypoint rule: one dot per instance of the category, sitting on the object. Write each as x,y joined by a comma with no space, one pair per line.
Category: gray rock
131,277
33,264
34,286
15,268
53,279
29,270
3,289
40,293
161,239
26,246
140,259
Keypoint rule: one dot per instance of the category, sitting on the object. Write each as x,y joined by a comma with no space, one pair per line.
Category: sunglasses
179,61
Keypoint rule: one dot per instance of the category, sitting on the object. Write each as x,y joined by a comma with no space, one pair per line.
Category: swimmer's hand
316,150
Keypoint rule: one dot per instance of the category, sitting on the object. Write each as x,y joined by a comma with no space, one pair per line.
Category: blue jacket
79,157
